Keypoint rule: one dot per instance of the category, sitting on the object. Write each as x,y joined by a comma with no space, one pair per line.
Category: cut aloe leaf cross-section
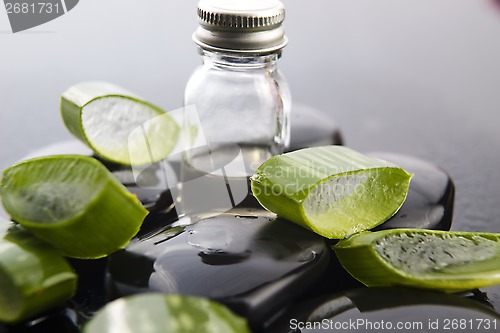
119,126
331,190
443,260
34,277
72,202
161,313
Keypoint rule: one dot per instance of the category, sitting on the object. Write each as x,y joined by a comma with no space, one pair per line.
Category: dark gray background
420,77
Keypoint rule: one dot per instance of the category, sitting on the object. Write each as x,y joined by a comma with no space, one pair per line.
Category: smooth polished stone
429,204
90,294
382,309
148,183
247,259
310,127
59,320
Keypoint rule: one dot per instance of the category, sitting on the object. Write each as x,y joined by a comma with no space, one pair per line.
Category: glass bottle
242,101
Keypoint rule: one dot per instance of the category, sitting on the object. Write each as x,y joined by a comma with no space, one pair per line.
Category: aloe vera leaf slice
34,277
118,125
73,202
444,260
161,313
331,190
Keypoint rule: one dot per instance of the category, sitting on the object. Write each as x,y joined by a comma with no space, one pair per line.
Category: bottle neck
239,61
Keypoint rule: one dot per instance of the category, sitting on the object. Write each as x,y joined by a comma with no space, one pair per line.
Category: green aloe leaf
119,126
34,277
332,190
443,260
73,202
160,313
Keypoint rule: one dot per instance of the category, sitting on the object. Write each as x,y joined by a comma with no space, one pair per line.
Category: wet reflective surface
311,127
430,200
247,259
260,267
60,320
386,309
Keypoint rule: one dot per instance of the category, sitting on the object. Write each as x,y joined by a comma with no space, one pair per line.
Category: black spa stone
429,204
247,259
311,127
58,320
382,309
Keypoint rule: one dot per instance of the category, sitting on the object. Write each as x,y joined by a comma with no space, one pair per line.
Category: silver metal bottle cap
241,26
